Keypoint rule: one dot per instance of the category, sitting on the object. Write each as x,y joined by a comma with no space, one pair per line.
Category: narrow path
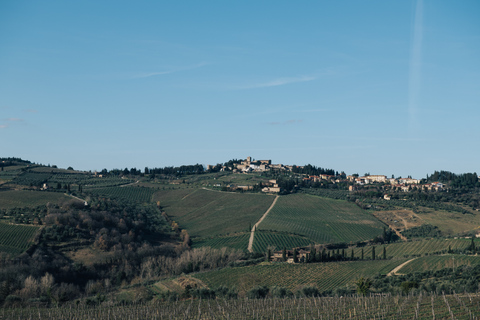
84,201
252,233
394,271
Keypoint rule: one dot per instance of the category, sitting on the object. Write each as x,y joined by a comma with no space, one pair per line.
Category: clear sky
385,87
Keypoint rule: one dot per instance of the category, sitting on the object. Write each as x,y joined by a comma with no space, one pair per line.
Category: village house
408,181
273,188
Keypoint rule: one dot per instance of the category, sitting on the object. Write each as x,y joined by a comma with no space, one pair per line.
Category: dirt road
252,233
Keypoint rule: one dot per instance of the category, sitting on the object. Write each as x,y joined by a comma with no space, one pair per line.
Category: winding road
252,233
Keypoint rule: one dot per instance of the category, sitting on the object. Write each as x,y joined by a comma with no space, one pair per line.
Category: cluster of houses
253,166
403,184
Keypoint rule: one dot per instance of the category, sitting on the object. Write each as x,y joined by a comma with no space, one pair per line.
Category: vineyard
236,242
15,239
135,194
31,178
457,306
414,248
322,220
13,198
325,276
205,213
265,239
434,263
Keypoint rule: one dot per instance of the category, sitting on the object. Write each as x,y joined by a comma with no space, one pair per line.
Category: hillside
121,231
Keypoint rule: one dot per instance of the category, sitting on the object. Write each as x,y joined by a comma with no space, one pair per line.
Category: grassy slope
450,223
15,198
325,276
322,220
206,213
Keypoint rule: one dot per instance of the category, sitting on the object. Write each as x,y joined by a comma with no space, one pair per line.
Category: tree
269,254
363,286
472,245
384,253
284,254
313,254
295,256
373,253
362,254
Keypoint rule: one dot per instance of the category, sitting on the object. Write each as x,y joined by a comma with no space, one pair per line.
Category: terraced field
325,276
322,220
206,213
15,239
434,263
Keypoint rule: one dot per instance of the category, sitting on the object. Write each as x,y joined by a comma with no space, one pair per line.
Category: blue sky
386,87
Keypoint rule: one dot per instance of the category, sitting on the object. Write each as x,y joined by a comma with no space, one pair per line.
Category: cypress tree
373,253
284,254
362,254
352,256
384,253
295,256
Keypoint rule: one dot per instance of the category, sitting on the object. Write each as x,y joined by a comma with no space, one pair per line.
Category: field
413,248
434,263
265,239
206,213
15,239
13,198
325,276
322,220
136,194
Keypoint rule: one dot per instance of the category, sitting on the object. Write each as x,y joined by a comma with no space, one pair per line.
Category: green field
236,242
414,248
15,239
22,198
322,220
325,276
434,263
136,194
206,213
265,239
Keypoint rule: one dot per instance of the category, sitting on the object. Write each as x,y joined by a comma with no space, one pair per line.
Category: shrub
258,292
309,291
280,292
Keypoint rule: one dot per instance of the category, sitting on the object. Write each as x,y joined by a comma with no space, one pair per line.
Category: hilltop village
353,181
